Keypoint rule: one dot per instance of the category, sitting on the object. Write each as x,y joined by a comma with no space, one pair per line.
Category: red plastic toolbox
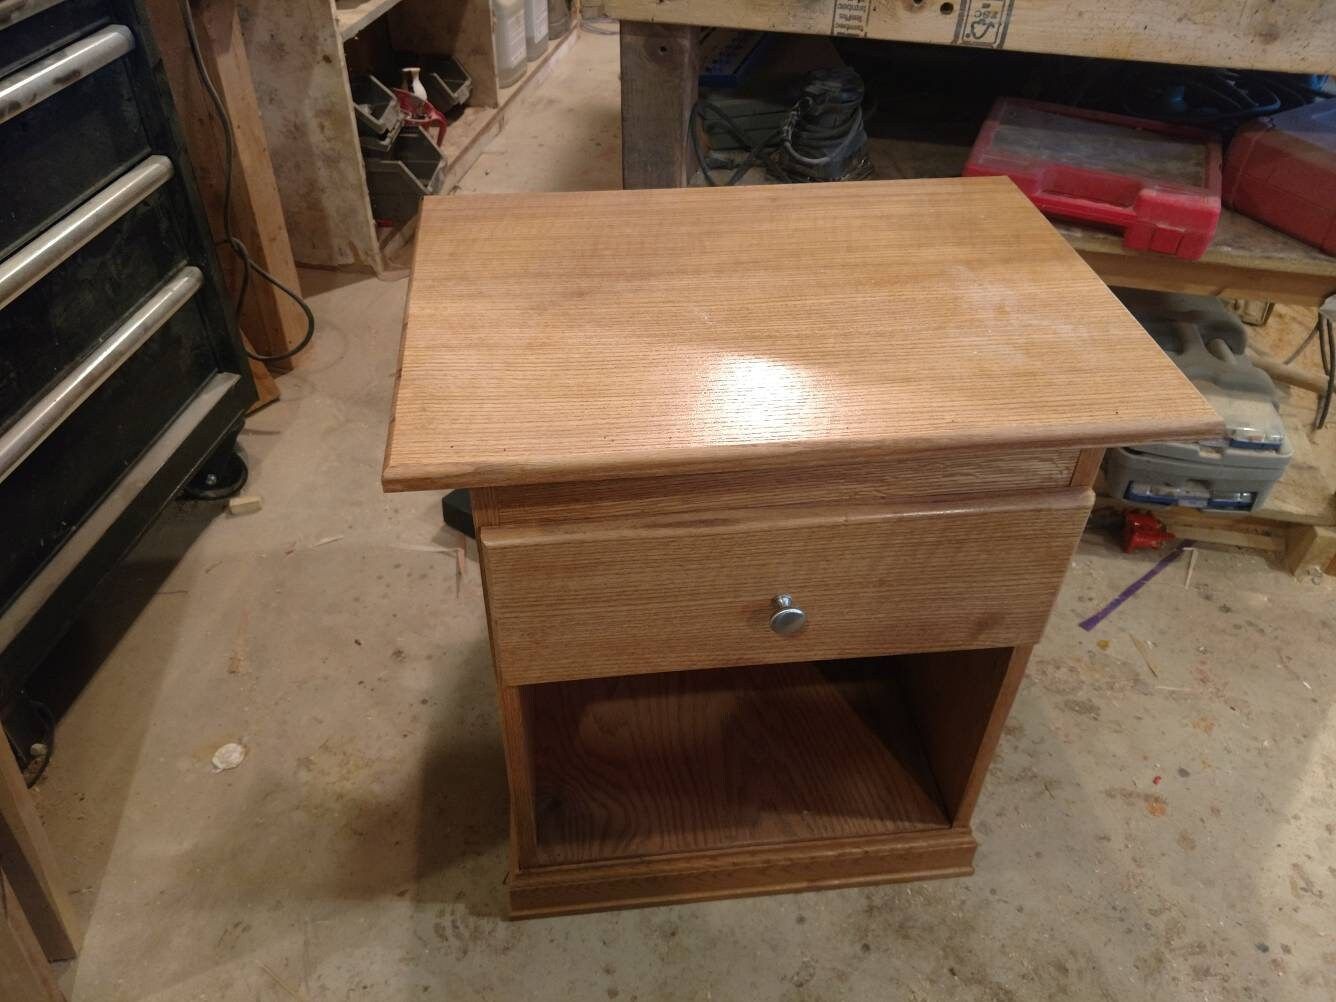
1158,183
1282,170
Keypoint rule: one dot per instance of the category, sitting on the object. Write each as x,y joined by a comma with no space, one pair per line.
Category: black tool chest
119,370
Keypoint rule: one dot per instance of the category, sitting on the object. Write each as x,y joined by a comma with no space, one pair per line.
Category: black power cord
1323,333
248,264
822,137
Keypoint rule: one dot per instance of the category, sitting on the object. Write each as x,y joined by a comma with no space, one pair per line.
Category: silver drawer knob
788,618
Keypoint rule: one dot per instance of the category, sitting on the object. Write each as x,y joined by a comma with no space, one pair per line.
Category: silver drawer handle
788,618
14,11
21,90
33,260
77,546
45,416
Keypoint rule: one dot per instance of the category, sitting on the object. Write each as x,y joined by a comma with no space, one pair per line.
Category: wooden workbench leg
24,973
660,66
30,866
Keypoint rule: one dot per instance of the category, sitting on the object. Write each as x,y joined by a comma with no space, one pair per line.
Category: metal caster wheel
223,475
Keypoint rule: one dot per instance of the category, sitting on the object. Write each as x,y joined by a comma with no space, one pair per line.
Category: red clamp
1142,531
421,113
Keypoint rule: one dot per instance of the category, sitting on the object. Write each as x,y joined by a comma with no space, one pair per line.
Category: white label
540,20
515,37
850,18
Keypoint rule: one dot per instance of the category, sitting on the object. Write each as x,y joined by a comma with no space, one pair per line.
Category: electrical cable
756,154
1324,332
248,264
822,137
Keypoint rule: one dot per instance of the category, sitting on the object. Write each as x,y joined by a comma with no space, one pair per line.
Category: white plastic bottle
535,27
508,24
558,19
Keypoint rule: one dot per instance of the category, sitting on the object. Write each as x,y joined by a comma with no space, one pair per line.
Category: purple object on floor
1093,621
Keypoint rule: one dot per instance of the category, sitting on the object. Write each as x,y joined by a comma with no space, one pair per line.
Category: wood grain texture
959,702
1288,35
1087,467
1309,548
660,64
918,317
889,480
25,975
808,866
642,595
1246,258
301,87
271,320
691,761
30,867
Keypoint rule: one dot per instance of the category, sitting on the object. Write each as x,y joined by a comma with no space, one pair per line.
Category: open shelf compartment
668,765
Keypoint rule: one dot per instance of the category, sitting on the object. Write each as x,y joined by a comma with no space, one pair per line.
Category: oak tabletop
591,335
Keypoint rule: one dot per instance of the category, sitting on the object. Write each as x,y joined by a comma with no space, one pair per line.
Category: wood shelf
354,15
1246,260
695,761
693,785
1292,36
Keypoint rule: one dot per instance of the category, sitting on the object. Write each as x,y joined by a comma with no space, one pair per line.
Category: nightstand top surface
592,335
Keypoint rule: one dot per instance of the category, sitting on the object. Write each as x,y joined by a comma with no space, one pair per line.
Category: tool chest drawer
629,596
120,371
58,148
68,472
47,328
33,29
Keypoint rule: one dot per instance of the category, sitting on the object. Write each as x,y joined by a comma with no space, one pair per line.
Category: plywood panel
1288,35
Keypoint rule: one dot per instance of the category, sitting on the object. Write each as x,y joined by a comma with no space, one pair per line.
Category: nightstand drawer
627,596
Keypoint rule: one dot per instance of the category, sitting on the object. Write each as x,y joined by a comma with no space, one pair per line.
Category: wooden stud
25,975
1291,36
1310,546
271,320
30,866
660,65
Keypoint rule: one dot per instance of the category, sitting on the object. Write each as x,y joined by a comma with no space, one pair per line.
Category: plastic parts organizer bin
1159,184
1282,170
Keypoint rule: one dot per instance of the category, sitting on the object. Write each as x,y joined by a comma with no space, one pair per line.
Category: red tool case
1159,184
1282,171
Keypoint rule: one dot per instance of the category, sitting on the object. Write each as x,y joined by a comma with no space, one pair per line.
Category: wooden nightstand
775,487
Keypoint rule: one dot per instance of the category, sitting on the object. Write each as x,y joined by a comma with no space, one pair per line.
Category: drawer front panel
630,596
48,328
48,494
57,153
31,34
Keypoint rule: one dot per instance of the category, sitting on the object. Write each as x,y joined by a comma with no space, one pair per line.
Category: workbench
765,547
1247,260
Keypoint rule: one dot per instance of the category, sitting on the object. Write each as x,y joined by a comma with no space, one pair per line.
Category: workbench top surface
591,335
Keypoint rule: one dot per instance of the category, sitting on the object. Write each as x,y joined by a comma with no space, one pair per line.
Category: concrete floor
1165,833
